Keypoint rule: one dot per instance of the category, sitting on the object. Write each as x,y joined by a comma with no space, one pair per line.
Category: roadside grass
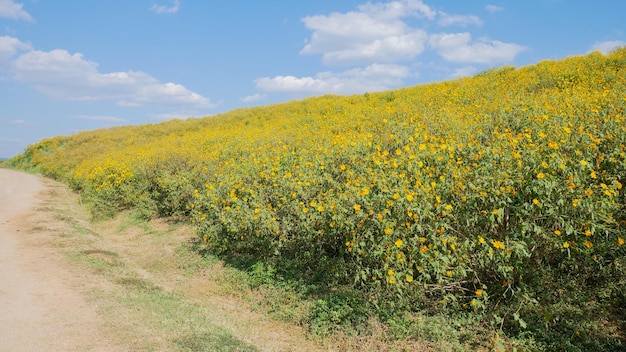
163,297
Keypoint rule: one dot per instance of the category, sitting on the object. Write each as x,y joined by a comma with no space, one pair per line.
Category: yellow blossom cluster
429,185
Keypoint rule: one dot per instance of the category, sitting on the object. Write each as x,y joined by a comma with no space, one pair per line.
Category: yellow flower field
471,193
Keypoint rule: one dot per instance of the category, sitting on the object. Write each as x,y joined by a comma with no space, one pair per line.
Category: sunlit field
496,199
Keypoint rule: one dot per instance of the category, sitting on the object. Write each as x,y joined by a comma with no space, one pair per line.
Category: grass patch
148,283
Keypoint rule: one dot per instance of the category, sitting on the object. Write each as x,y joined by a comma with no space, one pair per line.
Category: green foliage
342,311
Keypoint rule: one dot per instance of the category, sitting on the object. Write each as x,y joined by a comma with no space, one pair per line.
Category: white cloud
17,122
458,47
10,140
253,98
166,9
12,10
459,20
66,76
100,118
494,8
10,46
400,8
382,39
606,47
374,77
373,34
464,72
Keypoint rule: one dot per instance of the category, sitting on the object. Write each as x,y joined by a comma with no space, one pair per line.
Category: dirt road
41,308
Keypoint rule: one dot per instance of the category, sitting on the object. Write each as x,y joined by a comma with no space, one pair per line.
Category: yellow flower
536,202
399,243
620,241
409,278
357,208
479,293
588,244
481,240
575,203
557,232
409,197
540,175
498,245
388,231
588,192
566,244
593,174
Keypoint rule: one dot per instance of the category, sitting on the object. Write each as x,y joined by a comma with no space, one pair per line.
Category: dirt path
69,284
40,307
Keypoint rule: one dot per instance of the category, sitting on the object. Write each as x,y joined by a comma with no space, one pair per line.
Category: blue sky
73,65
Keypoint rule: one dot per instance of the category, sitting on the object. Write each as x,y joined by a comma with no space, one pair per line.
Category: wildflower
399,243
409,278
357,208
588,244
620,241
588,192
540,175
498,245
481,240
536,202
479,293
388,231
565,244
390,272
557,232
409,197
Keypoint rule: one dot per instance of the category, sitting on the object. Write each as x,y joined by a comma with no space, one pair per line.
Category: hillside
496,199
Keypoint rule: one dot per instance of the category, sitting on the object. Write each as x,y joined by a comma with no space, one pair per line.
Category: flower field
500,195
